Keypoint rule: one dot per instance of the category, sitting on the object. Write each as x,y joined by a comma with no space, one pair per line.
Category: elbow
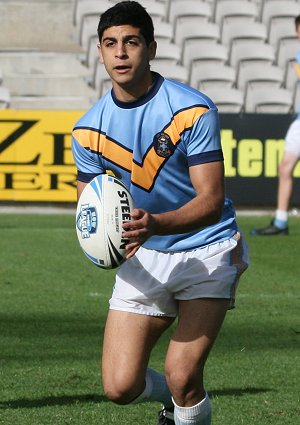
216,212
215,217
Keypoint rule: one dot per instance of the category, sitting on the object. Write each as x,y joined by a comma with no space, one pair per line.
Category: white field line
27,209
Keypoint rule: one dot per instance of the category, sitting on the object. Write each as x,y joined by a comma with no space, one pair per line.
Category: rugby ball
104,205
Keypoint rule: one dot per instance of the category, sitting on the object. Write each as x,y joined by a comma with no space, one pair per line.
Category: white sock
281,219
156,389
281,215
200,414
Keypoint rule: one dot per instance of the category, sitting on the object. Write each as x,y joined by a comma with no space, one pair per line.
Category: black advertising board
253,146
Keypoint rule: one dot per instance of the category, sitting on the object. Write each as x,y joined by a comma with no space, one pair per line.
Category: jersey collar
158,80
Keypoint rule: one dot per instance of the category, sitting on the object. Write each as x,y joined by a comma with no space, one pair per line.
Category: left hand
138,230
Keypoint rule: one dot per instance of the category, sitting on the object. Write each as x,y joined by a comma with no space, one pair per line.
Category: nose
121,50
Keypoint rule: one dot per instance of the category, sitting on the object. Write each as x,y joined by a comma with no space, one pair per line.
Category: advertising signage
253,146
36,163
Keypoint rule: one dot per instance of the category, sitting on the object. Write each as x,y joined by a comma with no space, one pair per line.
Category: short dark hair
297,21
127,13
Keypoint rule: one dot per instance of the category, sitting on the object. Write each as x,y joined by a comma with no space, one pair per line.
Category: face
298,31
125,55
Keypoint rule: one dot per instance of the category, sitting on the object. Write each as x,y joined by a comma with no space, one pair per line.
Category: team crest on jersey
163,145
87,221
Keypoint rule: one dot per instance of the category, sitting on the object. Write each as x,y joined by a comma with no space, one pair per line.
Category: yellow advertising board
36,162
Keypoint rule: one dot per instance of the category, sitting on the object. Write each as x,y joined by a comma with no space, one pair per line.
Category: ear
100,53
152,50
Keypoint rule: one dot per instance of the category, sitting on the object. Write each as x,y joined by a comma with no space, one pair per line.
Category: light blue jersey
150,144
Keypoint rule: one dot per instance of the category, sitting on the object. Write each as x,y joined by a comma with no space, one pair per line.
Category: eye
132,42
109,44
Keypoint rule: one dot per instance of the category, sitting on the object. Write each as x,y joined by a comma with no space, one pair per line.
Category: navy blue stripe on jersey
205,157
86,177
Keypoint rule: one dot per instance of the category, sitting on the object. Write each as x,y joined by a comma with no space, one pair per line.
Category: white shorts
292,139
152,281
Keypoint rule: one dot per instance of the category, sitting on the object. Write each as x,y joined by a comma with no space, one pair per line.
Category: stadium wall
37,25
36,163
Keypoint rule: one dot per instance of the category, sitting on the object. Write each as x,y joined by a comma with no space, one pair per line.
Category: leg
128,341
279,226
285,186
199,322
286,167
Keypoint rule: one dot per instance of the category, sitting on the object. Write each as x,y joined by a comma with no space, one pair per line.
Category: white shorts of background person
292,139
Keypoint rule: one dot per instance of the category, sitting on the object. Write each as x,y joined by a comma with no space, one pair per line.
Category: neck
128,93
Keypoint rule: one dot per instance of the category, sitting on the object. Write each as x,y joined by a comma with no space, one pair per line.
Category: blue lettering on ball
87,221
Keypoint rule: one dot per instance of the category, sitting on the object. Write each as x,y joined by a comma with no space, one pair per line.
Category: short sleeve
88,164
204,140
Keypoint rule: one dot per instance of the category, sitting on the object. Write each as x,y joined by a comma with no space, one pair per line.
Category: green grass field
53,306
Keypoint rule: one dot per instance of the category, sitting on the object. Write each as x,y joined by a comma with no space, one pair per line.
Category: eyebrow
127,37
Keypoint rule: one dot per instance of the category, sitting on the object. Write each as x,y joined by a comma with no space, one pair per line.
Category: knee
121,391
117,393
185,383
285,170
178,381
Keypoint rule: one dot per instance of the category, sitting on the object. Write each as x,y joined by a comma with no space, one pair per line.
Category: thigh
128,341
199,322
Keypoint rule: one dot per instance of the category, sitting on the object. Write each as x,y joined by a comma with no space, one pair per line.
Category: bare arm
80,187
203,210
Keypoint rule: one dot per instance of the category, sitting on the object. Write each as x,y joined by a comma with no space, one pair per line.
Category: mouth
122,69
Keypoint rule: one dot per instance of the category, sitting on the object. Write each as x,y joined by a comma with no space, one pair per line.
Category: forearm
199,212
203,210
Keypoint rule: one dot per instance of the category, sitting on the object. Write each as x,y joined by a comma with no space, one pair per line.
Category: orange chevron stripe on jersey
98,142
184,120
144,174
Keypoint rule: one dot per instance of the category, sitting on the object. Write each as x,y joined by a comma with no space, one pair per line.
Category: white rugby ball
104,205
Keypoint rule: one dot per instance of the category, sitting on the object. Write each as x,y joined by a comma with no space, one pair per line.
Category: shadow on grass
62,400
238,392
94,398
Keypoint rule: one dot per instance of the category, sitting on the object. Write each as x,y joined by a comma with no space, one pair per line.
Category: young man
279,225
185,253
